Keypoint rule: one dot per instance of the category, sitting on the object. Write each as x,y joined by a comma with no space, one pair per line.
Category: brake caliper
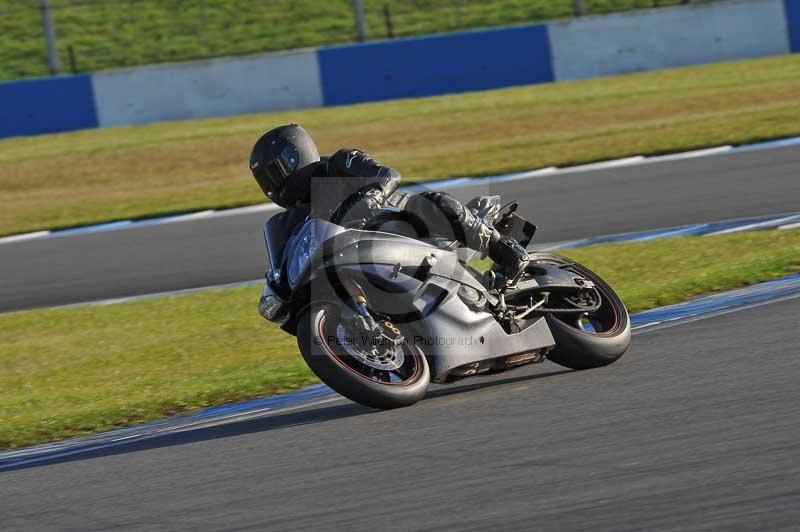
391,335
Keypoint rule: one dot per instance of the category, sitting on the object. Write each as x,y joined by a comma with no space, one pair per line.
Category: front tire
590,341
353,376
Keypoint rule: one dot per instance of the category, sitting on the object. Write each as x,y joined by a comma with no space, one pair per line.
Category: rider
350,185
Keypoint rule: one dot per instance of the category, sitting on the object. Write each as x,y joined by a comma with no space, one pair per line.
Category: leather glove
478,234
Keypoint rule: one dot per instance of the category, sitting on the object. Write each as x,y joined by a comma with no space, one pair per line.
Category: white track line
24,236
526,175
602,165
750,227
250,209
690,154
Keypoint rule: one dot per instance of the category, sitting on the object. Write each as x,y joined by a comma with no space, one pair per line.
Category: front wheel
391,378
589,340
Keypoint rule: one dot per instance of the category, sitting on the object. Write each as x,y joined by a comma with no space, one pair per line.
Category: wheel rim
601,321
380,359
401,366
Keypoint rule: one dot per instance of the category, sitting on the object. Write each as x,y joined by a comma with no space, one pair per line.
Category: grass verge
97,175
71,371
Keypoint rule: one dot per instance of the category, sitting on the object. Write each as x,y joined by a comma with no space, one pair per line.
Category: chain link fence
88,35
388,19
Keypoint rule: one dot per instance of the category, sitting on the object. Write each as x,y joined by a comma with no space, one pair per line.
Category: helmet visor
275,171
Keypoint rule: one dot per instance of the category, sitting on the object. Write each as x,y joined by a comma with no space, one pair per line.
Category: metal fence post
580,7
49,29
387,17
358,15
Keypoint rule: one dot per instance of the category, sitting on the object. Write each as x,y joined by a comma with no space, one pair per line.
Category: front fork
363,322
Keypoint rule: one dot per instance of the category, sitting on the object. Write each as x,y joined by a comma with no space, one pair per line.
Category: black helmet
282,162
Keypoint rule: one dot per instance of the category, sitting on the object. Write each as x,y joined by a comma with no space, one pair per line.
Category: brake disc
372,352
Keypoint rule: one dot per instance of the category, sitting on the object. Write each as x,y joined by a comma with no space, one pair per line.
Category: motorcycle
380,311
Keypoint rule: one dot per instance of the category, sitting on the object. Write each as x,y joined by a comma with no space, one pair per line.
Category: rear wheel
591,339
385,378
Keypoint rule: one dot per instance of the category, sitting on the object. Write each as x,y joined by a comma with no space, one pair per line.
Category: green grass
97,175
71,371
111,33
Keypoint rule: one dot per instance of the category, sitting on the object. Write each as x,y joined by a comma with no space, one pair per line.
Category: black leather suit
350,185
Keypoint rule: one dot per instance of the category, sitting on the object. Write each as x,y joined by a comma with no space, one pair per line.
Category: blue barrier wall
440,64
793,22
46,105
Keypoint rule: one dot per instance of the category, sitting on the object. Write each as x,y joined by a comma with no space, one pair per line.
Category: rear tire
330,361
578,348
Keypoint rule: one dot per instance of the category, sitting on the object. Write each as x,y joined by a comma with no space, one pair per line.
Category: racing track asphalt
218,250
696,428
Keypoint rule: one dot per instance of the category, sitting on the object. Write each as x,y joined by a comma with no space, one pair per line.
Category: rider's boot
510,256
